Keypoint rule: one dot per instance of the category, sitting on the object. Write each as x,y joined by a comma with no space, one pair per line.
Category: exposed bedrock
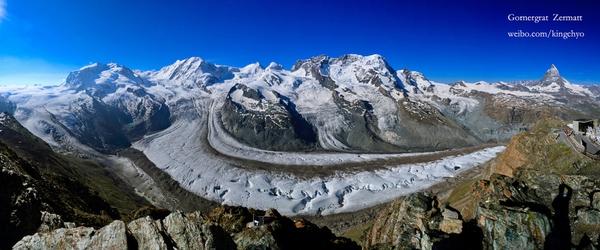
222,228
540,194
273,125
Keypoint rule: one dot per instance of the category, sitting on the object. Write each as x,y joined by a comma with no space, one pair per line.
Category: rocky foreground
539,195
222,228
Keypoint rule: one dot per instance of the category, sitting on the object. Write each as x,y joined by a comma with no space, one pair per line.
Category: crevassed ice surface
185,150
180,152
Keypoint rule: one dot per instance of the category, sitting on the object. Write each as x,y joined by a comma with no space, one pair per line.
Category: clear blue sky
41,40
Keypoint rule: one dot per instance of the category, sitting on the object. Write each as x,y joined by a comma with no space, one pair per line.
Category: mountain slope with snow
104,106
305,140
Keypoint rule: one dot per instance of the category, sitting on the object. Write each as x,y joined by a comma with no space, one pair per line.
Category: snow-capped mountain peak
415,79
349,69
250,69
552,71
552,75
552,82
312,66
99,76
85,76
274,66
192,72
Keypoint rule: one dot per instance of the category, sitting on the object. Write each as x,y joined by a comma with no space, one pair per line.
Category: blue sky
41,41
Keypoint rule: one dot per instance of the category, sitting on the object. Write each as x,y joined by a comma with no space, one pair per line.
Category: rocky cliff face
266,119
540,195
419,222
365,105
37,181
222,228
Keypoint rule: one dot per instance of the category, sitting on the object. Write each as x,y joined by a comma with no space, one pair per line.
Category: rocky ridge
545,199
418,221
38,182
223,228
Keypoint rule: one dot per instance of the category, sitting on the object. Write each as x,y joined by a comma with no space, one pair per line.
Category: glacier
181,151
197,151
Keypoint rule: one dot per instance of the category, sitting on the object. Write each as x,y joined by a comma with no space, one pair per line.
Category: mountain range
244,136
352,103
328,136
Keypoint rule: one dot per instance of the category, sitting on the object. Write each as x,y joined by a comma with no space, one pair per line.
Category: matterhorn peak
552,71
551,75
